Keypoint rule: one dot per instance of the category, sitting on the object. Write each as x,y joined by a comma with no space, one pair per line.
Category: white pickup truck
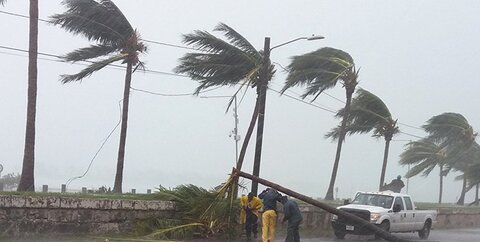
392,212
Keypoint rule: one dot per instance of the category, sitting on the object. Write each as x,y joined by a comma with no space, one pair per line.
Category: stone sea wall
27,216
54,215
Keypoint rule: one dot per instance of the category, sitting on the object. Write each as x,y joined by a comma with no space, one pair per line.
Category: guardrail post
45,188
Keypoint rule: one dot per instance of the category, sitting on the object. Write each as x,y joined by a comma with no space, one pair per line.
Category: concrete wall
26,216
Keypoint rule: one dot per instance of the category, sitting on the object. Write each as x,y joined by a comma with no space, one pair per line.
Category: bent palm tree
27,180
103,22
453,132
369,113
425,155
320,70
229,62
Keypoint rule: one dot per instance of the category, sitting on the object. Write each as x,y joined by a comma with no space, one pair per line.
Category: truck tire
425,232
339,235
385,225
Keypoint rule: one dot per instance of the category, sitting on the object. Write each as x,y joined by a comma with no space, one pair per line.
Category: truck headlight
374,216
334,217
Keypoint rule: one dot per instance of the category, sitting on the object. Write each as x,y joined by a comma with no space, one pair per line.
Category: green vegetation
200,214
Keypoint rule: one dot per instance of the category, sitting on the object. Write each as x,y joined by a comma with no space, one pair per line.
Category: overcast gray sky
420,57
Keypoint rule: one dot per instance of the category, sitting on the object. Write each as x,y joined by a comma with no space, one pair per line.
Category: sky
420,57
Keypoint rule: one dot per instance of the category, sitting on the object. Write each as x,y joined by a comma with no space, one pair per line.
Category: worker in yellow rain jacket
249,214
270,197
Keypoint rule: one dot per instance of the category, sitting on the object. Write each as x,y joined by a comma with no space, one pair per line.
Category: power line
145,40
111,65
99,149
173,95
416,136
303,101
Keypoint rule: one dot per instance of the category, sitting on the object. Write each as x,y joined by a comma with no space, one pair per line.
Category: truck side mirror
346,201
397,208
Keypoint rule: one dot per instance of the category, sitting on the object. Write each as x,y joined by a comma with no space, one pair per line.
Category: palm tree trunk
461,200
385,160
476,195
329,195
357,220
261,113
27,180
440,193
117,188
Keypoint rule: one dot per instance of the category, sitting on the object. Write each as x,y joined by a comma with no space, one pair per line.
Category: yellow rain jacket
255,206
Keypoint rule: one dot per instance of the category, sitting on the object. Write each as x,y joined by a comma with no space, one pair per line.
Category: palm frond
221,63
238,40
97,20
367,113
450,128
91,69
87,53
209,211
425,155
318,70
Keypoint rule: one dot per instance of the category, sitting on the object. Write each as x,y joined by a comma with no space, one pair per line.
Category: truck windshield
373,200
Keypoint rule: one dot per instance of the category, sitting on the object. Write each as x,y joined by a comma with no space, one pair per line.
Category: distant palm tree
369,113
453,133
27,179
116,40
229,62
425,155
321,70
473,175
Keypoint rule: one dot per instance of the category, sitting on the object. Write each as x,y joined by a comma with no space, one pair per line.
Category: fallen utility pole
357,220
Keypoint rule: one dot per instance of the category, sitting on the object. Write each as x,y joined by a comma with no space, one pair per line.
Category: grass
126,196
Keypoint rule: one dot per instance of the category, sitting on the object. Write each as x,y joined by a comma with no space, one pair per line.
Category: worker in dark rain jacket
294,217
270,198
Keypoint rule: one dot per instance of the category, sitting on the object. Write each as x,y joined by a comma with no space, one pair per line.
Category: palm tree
320,70
229,62
369,113
425,155
116,41
27,179
454,134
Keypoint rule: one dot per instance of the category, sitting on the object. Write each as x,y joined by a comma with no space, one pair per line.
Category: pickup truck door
398,218
410,220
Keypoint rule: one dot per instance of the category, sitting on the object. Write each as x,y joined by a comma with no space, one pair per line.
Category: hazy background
420,57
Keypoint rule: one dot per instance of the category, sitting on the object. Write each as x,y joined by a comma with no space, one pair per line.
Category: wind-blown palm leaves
454,134
369,113
425,155
318,71
199,212
102,22
229,62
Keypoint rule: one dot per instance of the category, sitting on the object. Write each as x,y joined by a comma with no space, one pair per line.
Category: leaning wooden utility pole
355,219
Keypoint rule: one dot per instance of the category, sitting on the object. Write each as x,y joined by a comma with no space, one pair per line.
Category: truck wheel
425,232
385,225
339,235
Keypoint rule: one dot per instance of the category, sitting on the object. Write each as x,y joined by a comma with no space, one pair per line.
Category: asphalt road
451,235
